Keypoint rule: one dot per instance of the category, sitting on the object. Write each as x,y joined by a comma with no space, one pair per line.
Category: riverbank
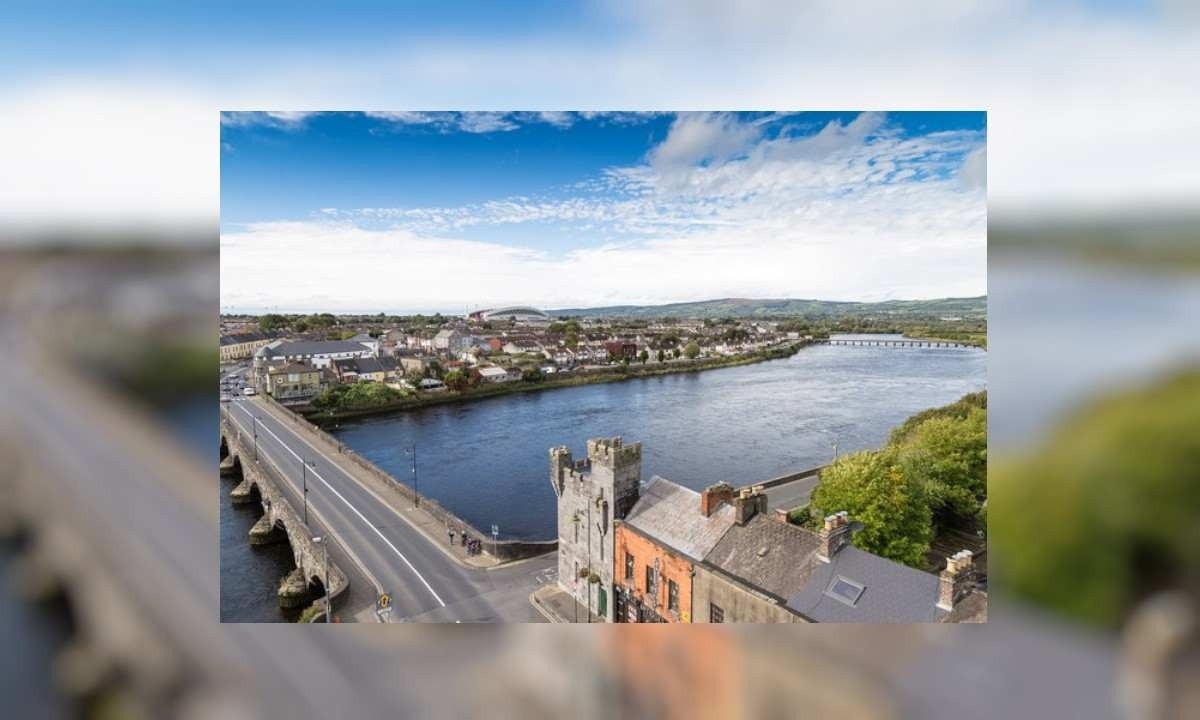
577,379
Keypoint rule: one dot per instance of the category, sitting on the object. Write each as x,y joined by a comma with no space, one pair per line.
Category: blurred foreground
108,497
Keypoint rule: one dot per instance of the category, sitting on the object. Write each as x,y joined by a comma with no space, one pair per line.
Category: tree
692,350
455,380
532,375
643,356
947,455
874,490
271,322
661,355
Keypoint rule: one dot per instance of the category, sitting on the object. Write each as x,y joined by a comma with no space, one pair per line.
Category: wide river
487,461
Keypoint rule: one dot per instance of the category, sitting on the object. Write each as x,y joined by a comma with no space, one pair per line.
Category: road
424,582
793,494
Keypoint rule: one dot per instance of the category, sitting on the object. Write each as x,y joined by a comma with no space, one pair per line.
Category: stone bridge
259,483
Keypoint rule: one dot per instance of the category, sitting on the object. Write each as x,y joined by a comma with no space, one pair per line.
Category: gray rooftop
771,555
313,347
891,592
670,513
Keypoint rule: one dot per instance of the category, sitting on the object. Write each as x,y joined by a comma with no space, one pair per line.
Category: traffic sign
495,531
384,602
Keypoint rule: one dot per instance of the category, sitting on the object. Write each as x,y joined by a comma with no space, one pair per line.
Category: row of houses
666,553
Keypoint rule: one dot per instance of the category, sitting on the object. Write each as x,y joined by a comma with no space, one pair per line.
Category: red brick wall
672,566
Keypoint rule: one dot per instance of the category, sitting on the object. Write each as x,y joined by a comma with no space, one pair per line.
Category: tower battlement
613,452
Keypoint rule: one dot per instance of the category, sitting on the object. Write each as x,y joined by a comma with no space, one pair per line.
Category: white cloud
275,118
827,215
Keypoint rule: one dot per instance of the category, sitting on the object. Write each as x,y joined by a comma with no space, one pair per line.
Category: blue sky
407,211
107,110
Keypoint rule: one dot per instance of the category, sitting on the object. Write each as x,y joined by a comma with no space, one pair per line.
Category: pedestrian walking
451,531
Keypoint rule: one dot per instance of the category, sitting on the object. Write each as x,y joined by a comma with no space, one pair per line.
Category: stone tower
591,494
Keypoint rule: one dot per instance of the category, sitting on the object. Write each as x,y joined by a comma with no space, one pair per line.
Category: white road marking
352,508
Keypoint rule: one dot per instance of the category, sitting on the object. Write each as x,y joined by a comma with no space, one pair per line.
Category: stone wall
739,603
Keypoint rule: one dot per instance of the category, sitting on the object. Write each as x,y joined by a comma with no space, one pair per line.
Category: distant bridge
867,342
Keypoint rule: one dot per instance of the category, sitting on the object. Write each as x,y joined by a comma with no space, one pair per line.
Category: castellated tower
591,494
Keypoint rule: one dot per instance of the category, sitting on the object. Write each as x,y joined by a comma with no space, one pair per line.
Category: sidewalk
559,607
432,528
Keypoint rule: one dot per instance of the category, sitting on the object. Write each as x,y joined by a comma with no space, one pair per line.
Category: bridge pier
294,591
266,532
245,492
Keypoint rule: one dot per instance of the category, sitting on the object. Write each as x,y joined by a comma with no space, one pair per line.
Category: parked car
248,391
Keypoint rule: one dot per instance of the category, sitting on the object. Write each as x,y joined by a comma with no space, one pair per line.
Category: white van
248,391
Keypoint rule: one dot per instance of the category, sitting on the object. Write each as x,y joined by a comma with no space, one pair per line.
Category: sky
109,112
435,211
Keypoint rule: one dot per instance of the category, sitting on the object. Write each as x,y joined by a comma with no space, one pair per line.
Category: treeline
333,325
930,477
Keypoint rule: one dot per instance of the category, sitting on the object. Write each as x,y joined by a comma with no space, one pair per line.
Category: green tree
873,488
455,380
643,356
661,355
532,375
692,350
272,322
948,456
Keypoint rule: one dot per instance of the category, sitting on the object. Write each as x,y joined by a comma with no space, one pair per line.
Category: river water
488,462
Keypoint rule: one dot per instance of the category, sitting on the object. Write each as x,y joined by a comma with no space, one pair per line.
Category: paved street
425,584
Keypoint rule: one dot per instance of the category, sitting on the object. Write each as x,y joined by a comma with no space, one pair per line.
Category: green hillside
974,308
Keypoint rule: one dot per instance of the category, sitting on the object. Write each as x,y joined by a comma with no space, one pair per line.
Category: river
487,461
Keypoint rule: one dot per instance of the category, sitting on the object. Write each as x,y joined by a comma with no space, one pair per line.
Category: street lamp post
254,425
323,541
304,465
412,451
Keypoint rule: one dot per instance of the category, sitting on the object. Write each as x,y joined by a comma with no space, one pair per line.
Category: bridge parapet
280,514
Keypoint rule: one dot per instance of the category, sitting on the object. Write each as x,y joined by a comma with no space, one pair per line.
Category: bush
357,396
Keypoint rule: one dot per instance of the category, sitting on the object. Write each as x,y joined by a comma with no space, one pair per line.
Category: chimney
749,503
712,497
833,536
955,580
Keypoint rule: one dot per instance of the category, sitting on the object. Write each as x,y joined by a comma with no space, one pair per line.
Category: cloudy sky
109,111
448,211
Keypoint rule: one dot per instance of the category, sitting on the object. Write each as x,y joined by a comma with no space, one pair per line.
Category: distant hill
965,308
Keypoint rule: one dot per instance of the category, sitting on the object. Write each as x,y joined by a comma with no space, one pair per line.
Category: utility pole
835,450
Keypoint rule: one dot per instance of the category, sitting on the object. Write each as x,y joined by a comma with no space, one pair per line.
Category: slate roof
238,338
892,593
364,365
768,554
293,367
313,347
670,513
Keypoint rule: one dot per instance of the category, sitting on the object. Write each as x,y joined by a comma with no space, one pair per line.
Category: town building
617,350
239,346
666,553
493,374
669,529
370,369
318,353
592,493
293,382
452,342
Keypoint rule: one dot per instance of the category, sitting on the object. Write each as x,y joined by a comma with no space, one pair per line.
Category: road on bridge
425,583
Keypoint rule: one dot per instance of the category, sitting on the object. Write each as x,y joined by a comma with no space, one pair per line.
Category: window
649,579
629,566
715,614
845,590
673,595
